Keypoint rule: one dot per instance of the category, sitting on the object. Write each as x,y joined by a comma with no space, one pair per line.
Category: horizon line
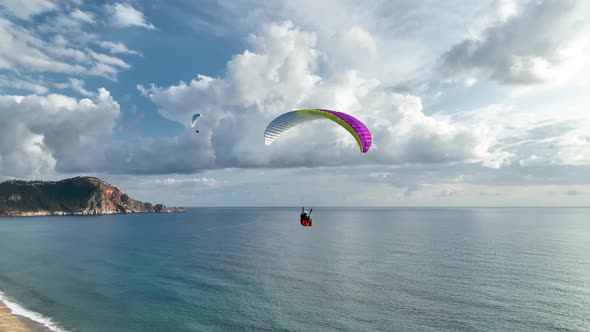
385,207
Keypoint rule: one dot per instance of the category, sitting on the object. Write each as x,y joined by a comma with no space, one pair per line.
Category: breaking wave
19,310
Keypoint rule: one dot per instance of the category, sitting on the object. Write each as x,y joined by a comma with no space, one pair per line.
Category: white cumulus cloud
116,48
40,134
535,43
124,15
26,9
282,72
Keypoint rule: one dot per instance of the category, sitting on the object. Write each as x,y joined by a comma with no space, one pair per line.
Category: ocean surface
257,269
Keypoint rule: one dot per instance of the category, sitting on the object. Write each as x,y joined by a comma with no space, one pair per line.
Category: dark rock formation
79,195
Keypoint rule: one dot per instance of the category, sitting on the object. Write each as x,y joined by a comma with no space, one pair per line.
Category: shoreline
28,321
67,214
11,322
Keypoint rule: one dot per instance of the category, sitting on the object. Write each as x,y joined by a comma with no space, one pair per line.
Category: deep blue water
256,269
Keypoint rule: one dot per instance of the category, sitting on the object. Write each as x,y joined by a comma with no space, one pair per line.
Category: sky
469,103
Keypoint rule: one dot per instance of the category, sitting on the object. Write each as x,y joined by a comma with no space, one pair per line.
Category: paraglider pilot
303,213
305,217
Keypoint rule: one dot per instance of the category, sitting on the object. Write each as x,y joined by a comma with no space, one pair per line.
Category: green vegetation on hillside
69,195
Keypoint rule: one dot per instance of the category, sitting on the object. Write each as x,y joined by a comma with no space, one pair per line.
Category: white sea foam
17,309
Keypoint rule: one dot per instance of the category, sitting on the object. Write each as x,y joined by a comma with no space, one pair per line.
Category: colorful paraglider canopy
195,118
291,119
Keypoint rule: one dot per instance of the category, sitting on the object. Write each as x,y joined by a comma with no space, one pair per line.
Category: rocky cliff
79,195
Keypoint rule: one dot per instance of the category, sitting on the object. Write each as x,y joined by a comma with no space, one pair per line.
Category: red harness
305,222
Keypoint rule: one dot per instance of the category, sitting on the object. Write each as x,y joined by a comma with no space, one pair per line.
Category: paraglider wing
194,121
291,119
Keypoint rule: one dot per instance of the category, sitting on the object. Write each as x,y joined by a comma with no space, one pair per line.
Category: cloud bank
287,66
534,43
281,73
40,134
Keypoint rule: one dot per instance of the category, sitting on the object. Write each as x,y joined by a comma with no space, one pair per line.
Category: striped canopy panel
291,119
195,118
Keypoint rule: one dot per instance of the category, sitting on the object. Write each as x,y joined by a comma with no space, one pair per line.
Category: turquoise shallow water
256,269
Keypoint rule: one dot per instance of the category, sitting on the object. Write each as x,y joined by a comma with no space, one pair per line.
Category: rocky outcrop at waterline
75,196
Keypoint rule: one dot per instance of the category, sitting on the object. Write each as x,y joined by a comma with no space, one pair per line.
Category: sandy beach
15,323
10,322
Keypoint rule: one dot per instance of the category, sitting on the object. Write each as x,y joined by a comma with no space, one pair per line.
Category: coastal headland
81,195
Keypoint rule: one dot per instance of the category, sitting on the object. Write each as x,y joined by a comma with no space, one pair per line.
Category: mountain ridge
81,195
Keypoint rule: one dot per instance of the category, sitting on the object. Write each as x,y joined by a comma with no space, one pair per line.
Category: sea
258,269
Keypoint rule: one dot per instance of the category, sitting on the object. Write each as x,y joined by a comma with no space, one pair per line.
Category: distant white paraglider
194,121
